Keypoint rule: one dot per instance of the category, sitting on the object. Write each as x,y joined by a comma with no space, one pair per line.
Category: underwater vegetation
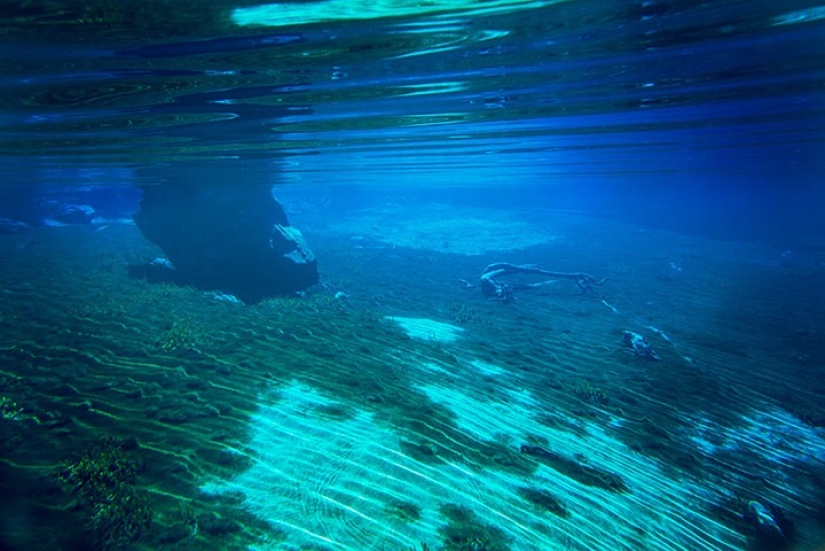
403,511
810,415
544,500
9,409
576,470
465,532
103,481
184,334
590,393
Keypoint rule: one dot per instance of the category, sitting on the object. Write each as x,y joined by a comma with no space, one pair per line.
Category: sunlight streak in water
434,88
279,15
801,16
449,42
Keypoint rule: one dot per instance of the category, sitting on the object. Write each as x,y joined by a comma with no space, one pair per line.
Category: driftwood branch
492,286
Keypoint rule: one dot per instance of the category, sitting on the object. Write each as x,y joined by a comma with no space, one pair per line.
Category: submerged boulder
234,238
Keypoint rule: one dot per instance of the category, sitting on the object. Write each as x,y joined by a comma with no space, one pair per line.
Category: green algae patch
465,532
104,480
544,500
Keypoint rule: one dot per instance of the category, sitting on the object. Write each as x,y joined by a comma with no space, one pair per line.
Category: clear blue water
674,148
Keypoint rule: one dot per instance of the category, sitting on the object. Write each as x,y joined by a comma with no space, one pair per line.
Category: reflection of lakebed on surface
537,425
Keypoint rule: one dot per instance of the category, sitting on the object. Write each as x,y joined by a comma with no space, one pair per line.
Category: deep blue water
698,126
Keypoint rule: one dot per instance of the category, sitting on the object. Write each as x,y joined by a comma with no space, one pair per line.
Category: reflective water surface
169,81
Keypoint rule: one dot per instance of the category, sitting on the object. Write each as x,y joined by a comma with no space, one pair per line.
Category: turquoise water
451,275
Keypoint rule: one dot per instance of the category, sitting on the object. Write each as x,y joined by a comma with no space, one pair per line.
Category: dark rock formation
232,237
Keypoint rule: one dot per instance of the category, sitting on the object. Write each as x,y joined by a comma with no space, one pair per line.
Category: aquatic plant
577,469
588,392
464,314
9,409
465,532
369,317
184,334
335,411
810,415
403,511
99,305
103,482
544,500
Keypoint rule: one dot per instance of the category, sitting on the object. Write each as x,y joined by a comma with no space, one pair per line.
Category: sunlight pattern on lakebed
344,480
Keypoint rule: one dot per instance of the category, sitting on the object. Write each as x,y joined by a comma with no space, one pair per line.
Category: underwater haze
393,275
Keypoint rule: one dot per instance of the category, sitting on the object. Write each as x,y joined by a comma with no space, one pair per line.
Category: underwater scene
401,275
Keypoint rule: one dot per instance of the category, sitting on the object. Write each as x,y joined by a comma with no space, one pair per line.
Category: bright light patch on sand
670,512
427,329
435,368
336,484
488,368
332,484
777,435
319,481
